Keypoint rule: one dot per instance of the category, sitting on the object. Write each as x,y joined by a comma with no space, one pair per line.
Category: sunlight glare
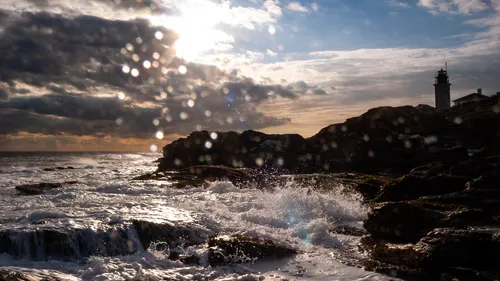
196,28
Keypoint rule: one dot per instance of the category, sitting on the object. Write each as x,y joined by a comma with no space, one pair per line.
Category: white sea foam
290,214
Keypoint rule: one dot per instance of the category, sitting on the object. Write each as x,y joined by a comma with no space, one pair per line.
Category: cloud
4,92
454,6
398,3
315,6
273,7
271,53
365,75
63,74
297,7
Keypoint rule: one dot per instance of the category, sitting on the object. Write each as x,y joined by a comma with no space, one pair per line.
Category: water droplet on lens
208,144
159,35
182,69
159,135
271,29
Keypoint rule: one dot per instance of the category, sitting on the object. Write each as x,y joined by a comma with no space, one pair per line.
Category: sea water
291,214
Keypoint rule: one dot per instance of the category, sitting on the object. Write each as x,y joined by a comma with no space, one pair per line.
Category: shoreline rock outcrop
391,140
426,225
438,219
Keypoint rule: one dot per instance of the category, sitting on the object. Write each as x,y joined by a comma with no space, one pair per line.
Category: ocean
104,194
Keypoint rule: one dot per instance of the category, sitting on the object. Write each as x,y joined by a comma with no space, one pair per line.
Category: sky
134,75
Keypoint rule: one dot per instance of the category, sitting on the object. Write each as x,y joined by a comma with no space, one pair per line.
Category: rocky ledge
383,140
439,222
437,217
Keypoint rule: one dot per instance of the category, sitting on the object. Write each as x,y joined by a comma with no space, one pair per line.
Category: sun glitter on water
197,28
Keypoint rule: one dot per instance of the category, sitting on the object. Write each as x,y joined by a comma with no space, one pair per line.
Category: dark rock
467,274
59,168
474,248
401,222
440,254
10,275
37,188
487,181
385,139
198,175
412,187
184,258
47,243
249,149
172,234
348,230
237,249
74,244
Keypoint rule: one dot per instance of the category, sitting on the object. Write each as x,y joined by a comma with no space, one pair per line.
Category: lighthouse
442,89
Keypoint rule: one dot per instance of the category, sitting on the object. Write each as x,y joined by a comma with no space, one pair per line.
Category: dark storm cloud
78,63
151,6
4,92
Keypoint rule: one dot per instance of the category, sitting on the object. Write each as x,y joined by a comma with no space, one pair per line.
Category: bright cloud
297,7
454,6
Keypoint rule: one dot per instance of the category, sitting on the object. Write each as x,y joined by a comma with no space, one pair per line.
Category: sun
197,30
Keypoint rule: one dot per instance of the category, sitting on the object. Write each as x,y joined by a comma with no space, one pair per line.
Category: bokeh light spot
159,135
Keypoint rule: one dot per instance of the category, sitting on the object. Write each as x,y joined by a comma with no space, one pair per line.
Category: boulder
412,187
11,275
348,230
401,222
39,188
384,139
74,244
200,174
249,149
237,249
174,234
441,253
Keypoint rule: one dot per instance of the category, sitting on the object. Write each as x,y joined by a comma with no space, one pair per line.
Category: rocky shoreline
431,178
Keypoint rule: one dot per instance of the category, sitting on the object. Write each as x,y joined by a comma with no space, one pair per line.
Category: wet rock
37,188
58,168
249,149
440,254
199,175
172,234
401,222
74,244
486,181
10,275
184,258
467,274
382,140
468,248
40,188
64,244
412,187
348,230
237,249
